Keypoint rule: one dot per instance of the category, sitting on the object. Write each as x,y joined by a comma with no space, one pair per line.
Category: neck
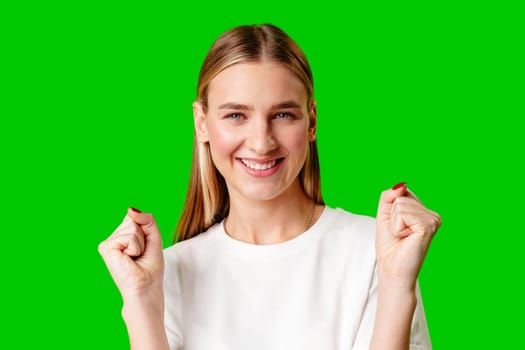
270,221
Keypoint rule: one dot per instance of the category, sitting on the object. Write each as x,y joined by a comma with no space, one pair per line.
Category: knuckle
135,244
433,225
150,222
101,247
384,195
437,224
133,238
395,204
402,202
131,229
399,209
400,212
436,219
401,199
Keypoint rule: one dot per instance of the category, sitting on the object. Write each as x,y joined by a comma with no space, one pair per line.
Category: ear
199,120
312,128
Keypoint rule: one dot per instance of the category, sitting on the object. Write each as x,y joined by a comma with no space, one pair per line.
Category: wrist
386,278
396,303
146,293
147,306
144,319
396,297
392,289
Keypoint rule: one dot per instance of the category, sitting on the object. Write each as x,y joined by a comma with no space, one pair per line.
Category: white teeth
257,166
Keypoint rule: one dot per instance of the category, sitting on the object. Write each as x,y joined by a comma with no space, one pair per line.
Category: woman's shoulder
343,226
191,245
339,217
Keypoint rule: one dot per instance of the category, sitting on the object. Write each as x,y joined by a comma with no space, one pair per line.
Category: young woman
261,262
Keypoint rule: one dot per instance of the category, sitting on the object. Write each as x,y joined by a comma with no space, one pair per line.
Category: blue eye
234,116
283,115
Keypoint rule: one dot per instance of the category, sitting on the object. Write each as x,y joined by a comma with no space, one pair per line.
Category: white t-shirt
315,291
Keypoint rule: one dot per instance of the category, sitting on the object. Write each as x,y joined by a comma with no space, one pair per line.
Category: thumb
148,225
386,201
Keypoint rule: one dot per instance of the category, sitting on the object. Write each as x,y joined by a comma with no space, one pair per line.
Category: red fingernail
136,210
399,185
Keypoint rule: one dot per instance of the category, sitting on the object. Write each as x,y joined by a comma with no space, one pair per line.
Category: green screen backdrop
96,117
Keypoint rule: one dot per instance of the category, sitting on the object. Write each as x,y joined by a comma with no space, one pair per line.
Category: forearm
395,309
144,320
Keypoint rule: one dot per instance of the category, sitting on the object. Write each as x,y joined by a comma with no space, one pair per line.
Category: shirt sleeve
172,304
419,335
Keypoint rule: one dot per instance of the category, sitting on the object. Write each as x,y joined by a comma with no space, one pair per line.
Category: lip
261,173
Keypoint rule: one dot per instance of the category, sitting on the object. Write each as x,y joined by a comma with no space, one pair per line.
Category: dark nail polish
399,185
136,210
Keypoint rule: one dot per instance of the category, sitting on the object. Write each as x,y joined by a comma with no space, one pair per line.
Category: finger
409,216
117,257
149,227
398,226
411,194
387,199
125,244
146,221
127,225
135,246
410,204
136,230
434,221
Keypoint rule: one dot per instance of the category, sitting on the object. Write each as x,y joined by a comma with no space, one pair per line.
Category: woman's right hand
133,256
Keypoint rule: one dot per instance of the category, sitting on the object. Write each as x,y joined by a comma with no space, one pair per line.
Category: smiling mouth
260,166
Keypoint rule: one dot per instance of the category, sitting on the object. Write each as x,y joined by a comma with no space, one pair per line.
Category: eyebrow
233,105
283,105
286,105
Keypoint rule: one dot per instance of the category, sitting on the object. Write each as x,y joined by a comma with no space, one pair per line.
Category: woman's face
258,126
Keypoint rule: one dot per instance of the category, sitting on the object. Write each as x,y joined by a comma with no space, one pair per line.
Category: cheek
298,138
222,142
296,141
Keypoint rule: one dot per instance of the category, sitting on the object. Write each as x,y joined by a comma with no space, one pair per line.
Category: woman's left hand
404,230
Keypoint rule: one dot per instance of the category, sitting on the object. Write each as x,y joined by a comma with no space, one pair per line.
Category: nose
260,138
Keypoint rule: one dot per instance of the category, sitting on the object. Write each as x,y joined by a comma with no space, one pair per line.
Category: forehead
256,83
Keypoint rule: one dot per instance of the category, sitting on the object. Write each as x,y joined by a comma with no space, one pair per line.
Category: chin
261,196
262,193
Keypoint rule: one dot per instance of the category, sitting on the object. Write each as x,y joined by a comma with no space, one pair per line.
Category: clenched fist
404,230
133,255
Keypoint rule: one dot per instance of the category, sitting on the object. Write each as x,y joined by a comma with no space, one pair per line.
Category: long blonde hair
207,200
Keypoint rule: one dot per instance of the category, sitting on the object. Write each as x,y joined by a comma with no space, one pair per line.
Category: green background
96,117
